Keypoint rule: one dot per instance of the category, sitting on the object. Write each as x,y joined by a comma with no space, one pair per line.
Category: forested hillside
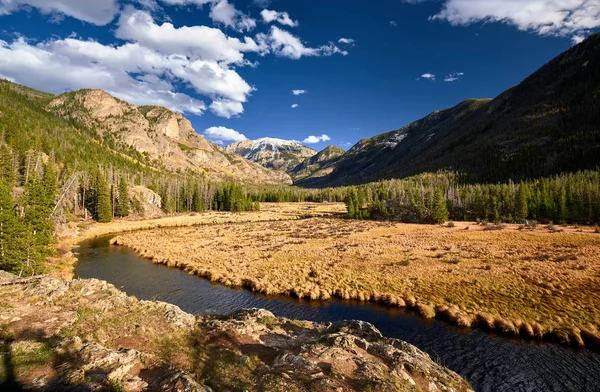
548,124
52,172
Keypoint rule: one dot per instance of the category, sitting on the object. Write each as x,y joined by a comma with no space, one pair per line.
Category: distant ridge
273,153
549,123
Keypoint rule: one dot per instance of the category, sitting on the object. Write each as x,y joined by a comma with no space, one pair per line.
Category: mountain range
273,153
549,123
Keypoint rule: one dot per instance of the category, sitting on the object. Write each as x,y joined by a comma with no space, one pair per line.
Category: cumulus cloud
73,64
98,12
453,77
284,44
208,43
316,139
224,12
279,17
155,61
299,92
219,135
347,41
544,17
295,106
427,76
158,55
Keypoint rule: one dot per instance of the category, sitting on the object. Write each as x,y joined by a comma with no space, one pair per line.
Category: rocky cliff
166,137
273,153
87,335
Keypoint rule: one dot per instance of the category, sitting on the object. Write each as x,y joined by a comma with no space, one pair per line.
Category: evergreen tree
197,201
439,211
521,208
102,202
123,206
7,172
12,248
38,203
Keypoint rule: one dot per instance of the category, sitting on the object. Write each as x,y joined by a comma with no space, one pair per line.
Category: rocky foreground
88,335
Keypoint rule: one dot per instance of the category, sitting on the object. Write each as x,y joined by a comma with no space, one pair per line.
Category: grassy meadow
535,282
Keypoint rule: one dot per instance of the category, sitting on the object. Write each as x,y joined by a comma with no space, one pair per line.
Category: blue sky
231,66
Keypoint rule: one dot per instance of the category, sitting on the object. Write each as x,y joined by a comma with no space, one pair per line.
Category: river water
489,362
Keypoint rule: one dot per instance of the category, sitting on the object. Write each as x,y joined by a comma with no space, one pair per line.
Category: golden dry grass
62,265
540,283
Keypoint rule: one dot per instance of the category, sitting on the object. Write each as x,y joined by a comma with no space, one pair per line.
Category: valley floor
538,283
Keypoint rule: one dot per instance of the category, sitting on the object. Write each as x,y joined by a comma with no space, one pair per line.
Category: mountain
164,137
317,165
549,123
272,153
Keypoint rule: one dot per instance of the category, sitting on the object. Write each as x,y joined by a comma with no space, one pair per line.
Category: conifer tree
439,211
38,202
123,206
7,172
103,206
197,202
521,208
11,233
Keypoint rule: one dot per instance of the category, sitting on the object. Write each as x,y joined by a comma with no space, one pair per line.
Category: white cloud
393,23
226,108
427,76
295,106
154,63
279,17
284,44
347,41
544,17
219,135
577,39
73,64
316,139
453,77
98,12
198,56
221,12
204,42
299,92
224,12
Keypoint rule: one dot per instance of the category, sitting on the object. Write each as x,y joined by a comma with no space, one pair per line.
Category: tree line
436,198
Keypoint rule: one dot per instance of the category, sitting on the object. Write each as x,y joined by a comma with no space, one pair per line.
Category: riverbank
67,334
62,264
532,282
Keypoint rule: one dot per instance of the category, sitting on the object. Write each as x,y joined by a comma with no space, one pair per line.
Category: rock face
161,135
150,201
87,335
273,153
317,165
